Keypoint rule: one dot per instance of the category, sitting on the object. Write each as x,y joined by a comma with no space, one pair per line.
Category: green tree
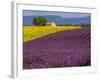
40,21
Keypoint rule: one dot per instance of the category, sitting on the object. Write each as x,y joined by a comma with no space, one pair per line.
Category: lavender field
69,48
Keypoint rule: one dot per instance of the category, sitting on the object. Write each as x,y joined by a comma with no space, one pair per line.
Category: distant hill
27,20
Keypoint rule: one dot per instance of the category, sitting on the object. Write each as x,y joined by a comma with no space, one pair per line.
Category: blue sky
62,14
57,17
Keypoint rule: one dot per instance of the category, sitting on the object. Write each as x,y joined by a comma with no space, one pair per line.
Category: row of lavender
62,49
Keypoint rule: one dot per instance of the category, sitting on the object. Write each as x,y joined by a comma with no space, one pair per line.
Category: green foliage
85,25
39,21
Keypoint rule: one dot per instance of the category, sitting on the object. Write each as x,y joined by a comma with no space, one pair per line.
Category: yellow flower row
33,32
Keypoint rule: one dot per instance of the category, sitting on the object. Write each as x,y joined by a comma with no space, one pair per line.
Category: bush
85,25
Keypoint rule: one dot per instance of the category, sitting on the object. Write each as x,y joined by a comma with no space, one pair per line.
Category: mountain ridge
28,20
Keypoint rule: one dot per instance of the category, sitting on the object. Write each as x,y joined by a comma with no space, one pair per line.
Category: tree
40,21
